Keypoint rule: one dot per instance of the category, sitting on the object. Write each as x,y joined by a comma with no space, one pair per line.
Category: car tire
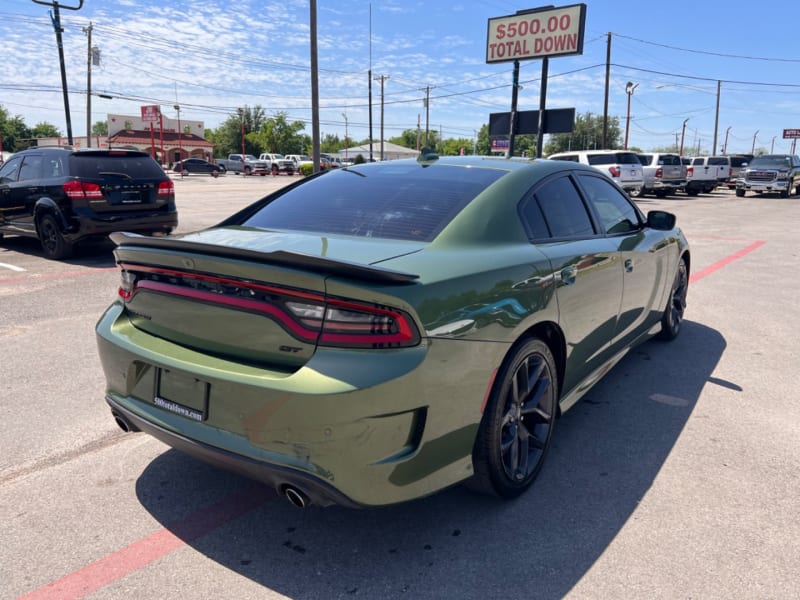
739,193
692,192
517,425
274,170
785,192
54,245
185,173
215,173
672,319
247,170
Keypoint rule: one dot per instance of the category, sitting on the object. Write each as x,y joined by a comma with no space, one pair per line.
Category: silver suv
664,173
622,166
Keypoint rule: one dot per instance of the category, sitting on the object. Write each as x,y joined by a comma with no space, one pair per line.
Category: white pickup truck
278,163
700,176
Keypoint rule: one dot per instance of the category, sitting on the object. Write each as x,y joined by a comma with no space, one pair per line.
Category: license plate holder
182,394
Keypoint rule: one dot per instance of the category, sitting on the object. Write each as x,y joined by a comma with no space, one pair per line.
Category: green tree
278,135
331,143
454,146
228,136
14,131
586,135
484,143
100,128
407,139
45,130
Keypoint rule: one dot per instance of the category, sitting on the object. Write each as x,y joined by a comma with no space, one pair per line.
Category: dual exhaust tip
295,496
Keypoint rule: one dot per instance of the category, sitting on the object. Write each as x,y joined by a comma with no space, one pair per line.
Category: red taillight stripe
241,303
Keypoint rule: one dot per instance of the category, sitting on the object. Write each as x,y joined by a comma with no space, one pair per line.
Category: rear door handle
569,274
628,265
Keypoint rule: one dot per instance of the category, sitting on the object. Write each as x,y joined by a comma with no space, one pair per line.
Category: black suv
62,196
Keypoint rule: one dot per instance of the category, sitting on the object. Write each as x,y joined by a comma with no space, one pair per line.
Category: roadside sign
791,134
150,113
536,33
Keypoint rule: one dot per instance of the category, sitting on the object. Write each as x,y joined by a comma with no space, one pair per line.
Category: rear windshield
401,202
738,161
614,158
91,165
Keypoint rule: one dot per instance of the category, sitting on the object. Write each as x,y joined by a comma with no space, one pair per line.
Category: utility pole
629,89
315,156
427,113
382,79
716,120
346,142
608,77
88,32
56,18
683,135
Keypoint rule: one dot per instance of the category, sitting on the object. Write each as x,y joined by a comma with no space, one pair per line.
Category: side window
31,168
10,169
563,210
616,213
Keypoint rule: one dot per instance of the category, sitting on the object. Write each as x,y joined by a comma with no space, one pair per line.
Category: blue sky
211,56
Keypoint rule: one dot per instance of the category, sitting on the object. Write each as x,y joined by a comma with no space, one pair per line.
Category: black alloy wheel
53,243
517,425
672,318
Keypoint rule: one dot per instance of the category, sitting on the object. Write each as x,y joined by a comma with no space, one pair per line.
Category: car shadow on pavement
607,452
89,253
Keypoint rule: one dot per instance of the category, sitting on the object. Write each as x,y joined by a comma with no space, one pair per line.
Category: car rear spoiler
281,257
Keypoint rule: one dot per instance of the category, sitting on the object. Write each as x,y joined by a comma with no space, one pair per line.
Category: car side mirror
660,220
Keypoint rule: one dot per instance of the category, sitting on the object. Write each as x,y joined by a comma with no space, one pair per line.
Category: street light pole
725,145
755,135
629,88
180,144
683,135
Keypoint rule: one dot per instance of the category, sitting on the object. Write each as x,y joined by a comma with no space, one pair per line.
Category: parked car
700,177
664,173
63,196
198,165
719,166
390,329
737,162
299,160
778,173
622,166
246,164
278,163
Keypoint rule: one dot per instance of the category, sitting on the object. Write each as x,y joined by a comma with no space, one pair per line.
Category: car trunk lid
251,296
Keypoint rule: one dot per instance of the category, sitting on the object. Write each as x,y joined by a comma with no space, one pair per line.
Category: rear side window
563,210
91,166
31,167
602,159
404,202
569,157
718,160
616,213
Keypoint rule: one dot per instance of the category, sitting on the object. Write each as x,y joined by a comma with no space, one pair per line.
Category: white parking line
11,267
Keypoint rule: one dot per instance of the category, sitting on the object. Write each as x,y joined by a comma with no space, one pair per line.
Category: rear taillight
689,171
166,188
307,316
79,190
615,171
344,323
659,173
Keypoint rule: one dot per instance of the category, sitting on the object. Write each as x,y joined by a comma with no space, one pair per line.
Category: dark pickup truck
772,173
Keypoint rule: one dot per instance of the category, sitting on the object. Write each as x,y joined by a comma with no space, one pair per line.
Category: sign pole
512,126
542,101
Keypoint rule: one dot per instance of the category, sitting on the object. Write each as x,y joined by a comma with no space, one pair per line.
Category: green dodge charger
380,332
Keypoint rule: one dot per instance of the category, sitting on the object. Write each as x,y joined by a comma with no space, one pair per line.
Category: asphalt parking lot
677,476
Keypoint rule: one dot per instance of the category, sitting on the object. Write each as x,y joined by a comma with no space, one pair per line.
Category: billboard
791,134
536,33
150,113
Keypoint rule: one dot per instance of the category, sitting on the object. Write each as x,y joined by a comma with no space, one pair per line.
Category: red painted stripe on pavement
39,276
725,261
115,566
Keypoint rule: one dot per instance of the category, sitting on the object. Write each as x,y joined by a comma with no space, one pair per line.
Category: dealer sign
536,33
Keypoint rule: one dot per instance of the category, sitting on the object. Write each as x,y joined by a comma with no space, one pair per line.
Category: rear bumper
143,222
280,478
